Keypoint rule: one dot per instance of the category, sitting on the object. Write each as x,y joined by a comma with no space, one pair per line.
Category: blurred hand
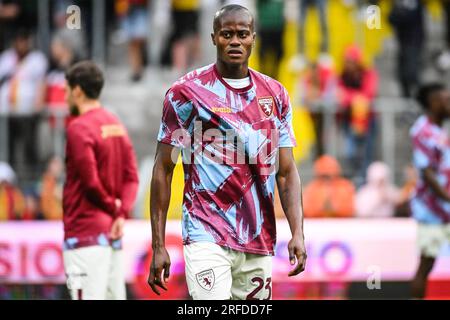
118,203
117,229
297,253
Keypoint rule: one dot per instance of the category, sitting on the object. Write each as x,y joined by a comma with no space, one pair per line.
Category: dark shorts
185,23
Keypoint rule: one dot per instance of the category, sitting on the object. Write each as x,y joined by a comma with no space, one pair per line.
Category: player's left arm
290,190
128,192
131,180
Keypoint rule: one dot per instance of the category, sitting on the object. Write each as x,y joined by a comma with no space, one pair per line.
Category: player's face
444,97
234,39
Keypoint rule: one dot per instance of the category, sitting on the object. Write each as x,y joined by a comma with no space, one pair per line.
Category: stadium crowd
32,86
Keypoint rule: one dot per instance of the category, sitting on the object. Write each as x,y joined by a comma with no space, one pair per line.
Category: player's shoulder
198,74
77,126
89,119
273,84
422,128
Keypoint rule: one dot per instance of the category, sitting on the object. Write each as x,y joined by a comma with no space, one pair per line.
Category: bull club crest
206,279
266,104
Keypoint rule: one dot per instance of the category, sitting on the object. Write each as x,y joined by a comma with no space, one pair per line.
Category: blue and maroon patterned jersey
431,148
229,140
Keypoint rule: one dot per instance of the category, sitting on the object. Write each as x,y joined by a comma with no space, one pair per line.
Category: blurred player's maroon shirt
101,167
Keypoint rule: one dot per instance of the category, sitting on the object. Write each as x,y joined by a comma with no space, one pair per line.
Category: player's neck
435,119
88,105
232,71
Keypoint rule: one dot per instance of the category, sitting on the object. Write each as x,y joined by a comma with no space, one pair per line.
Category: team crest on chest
206,279
266,105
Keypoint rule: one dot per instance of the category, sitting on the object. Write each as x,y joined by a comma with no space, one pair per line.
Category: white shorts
431,238
218,273
95,273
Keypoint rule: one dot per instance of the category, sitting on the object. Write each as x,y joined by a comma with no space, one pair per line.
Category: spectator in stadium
51,190
271,22
186,39
321,6
12,201
22,75
76,37
328,195
8,14
408,21
431,157
378,198
443,60
357,87
134,20
318,94
407,191
15,14
63,55
31,211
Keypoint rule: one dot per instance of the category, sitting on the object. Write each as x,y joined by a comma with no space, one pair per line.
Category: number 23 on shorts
261,287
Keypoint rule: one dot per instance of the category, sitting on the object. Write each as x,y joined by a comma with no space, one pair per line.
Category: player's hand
297,253
160,264
117,228
118,203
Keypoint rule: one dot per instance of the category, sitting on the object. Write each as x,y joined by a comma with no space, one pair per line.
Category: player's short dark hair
226,10
425,91
88,76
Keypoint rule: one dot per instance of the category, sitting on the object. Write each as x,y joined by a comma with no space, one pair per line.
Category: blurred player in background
99,192
244,120
431,156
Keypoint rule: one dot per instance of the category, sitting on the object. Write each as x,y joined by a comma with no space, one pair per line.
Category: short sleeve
176,110
286,130
425,152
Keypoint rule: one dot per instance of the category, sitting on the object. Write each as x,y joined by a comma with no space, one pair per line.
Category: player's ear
254,39
77,92
213,39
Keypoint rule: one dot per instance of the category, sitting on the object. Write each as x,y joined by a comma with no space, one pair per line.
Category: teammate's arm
131,181
289,187
429,177
159,204
128,192
82,148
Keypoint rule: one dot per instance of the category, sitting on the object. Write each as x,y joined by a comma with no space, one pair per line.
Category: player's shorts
95,273
218,273
431,238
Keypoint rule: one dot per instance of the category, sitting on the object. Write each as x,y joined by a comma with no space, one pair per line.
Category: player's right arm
159,204
167,152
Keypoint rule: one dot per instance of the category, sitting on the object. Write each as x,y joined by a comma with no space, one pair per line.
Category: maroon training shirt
100,166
